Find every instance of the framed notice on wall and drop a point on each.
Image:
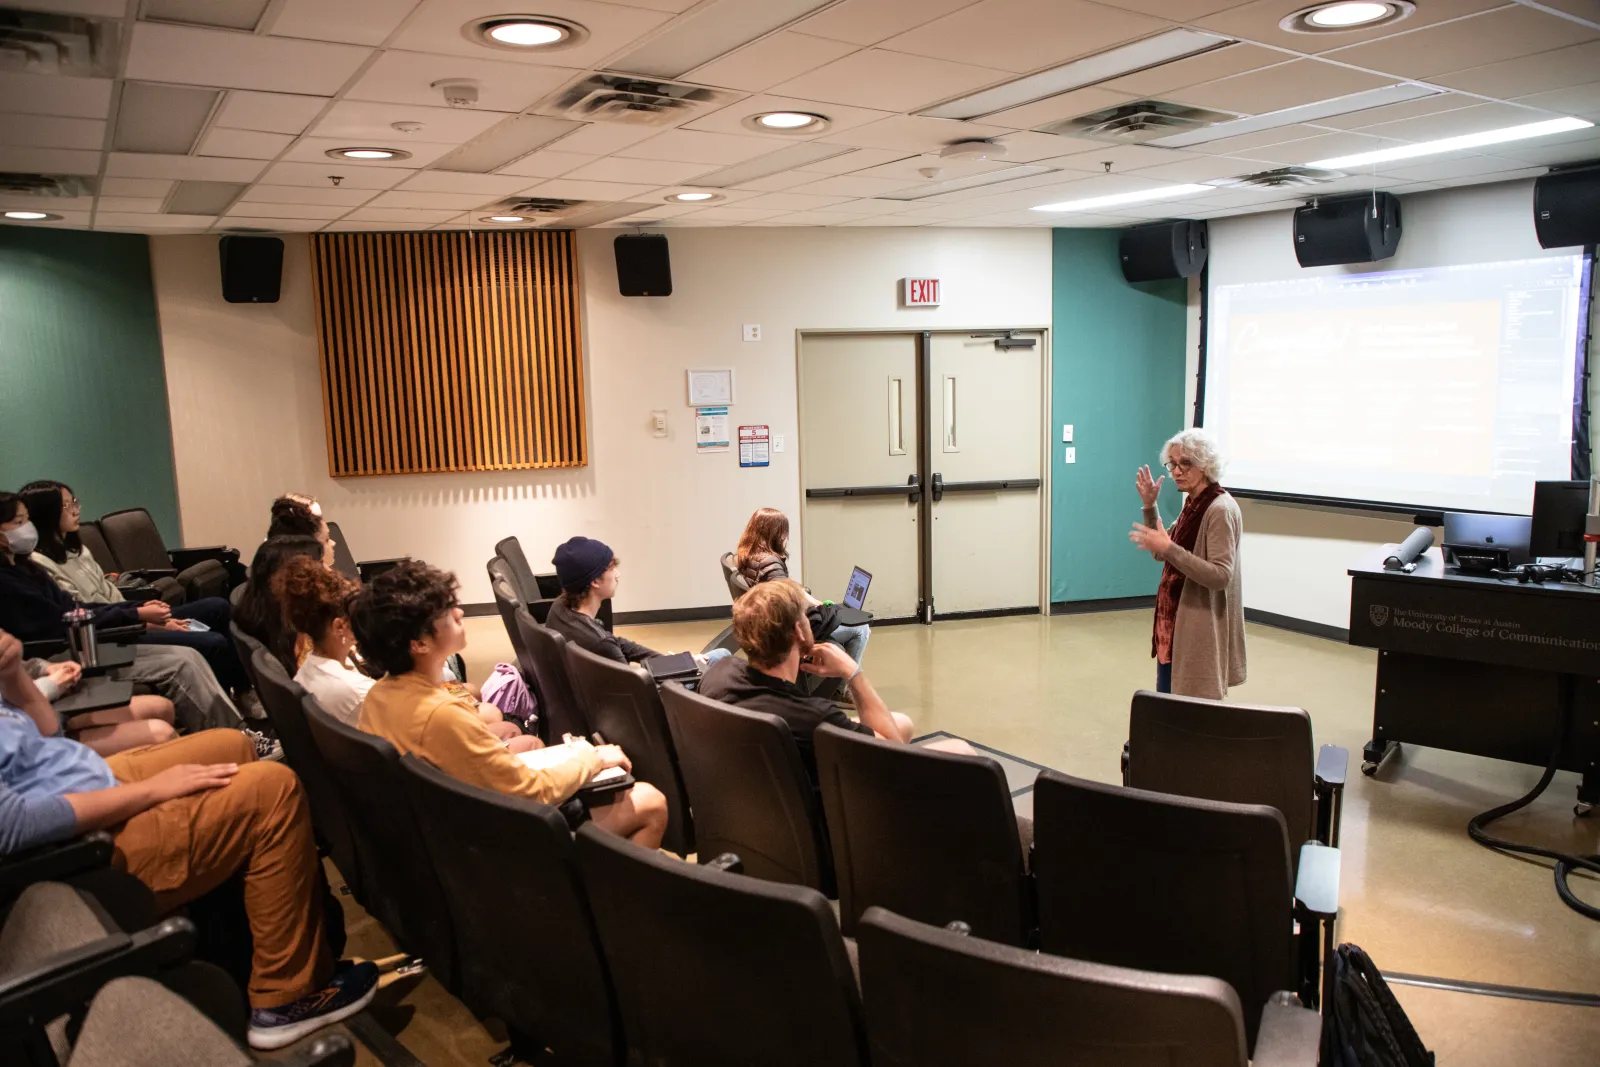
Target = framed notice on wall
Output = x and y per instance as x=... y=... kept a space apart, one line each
x=711 y=388
x=755 y=446
x=711 y=429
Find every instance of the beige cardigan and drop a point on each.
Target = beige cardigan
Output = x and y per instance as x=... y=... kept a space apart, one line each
x=1208 y=634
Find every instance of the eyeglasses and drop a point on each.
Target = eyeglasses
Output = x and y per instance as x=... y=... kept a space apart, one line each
x=1176 y=465
x=73 y=506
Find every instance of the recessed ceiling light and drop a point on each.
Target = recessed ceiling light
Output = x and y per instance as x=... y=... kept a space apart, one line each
x=1116 y=199
x=1454 y=144
x=503 y=218
x=787 y=122
x=33 y=216
x=368 y=154
x=1346 y=15
x=695 y=198
x=522 y=33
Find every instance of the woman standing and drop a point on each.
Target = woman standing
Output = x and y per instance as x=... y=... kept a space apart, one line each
x=1198 y=642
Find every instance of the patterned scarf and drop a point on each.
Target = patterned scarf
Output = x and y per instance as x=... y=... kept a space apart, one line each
x=1185 y=532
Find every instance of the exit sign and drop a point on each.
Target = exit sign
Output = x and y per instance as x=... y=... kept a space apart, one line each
x=919 y=292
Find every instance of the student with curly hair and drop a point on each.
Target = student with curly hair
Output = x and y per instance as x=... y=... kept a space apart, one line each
x=294 y=515
x=407 y=623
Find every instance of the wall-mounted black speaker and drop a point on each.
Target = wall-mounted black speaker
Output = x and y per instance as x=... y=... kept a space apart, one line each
x=643 y=267
x=1361 y=228
x=1566 y=207
x=252 y=269
x=1172 y=248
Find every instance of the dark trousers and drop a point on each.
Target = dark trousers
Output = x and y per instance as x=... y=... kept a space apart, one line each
x=1163 y=677
x=214 y=645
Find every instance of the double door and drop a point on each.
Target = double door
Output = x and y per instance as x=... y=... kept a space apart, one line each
x=920 y=463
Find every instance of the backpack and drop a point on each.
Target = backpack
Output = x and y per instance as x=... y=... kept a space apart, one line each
x=505 y=689
x=1363 y=1024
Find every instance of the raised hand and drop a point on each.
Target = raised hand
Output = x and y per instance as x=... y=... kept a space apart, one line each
x=1149 y=488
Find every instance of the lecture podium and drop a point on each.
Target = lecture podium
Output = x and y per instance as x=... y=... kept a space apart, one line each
x=1481 y=665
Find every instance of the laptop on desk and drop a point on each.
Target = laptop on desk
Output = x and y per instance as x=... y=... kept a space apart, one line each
x=678 y=667
x=851 y=606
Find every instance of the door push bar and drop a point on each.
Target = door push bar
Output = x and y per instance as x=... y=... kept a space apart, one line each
x=941 y=487
x=911 y=488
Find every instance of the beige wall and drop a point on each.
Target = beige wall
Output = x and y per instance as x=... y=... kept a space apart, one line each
x=247 y=407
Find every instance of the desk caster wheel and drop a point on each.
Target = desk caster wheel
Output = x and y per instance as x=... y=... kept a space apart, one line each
x=1369 y=769
x=1581 y=809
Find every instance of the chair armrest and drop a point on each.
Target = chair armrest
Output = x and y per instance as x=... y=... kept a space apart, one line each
x=321 y=1050
x=184 y=558
x=120 y=634
x=67 y=980
x=725 y=639
x=1290 y=1035
x=1316 y=887
x=150 y=574
x=728 y=861
x=1333 y=761
x=54 y=863
x=43 y=649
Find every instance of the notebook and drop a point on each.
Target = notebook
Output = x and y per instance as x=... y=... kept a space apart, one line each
x=542 y=759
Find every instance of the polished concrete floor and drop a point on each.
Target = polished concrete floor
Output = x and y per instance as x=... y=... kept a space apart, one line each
x=1417 y=894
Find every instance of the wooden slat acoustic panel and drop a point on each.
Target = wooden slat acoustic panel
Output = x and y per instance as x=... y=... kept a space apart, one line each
x=449 y=351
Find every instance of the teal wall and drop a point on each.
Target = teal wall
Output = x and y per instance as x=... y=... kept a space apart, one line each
x=85 y=394
x=1118 y=375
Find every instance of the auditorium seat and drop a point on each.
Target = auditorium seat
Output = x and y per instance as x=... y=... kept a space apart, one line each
x=938 y=998
x=560 y=709
x=1172 y=884
x=538 y=590
x=344 y=561
x=748 y=789
x=529 y=954
x=284 y=701
x=132 y=537
x=930 y=835
x=624 y=708
x=398 y=873
x=94 y=542
x=737 y=585
x=716 y=969
x=1239 y=753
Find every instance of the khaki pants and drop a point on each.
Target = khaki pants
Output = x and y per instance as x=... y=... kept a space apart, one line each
x=257 y=825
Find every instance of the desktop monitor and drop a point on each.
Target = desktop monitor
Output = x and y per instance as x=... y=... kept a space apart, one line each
x=1560 y=512
x=1480 y=543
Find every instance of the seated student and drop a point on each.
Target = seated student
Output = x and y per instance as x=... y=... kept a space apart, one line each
x=144 y=720
x=315 y=603
x=763 y=556
x=590 y=574
x=186 y=817
x=259 y=613
x=294 y=515
x=407 y=624
x=771 y=625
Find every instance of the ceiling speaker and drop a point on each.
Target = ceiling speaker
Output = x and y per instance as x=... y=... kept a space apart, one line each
x=252 y=269
x=643 y=266
x=1363 y=228
x=1172 y=248
x=1566 y=207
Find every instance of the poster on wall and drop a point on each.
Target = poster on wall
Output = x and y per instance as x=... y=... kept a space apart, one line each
x=755 y=446
x=711 y=429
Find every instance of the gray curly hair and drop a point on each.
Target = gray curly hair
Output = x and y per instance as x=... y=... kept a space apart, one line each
x=1200 y=448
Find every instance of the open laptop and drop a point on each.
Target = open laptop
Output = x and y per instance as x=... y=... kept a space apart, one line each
x=851 y=607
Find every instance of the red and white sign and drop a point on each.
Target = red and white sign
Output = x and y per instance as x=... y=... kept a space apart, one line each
x=919 y=292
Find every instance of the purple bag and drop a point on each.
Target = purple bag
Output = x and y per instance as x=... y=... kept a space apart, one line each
x=505 y=689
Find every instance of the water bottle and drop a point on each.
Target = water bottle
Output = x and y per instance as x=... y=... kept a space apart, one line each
x=81 y=641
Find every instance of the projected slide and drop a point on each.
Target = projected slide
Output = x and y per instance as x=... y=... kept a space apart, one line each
x=1447 y=387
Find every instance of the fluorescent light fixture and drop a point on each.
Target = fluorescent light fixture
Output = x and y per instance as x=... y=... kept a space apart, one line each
x=1455 y=144
x=523 y=33
x=1290 y=116
x=713 y=30
x=791 y=158
x=368 y=154
x=1117 y=199
x=506 y=142
x=972 y=181
x=32 y=216
x=1140 y=55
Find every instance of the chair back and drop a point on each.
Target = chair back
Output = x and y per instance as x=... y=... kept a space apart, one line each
x=532 y=957
x=133 y=539
x=1165 y=883
x=284 y=701
x=94 y=542
x=344 y=561
x=559 y=705
x=244 y=646
x=749 y=790
x=624 y=708
x=1238 y=753
x=398 y=873
x=737 y=585
x=507 y=600
x=930 y=835
x=717 y=969
x=522 y=579
x=937 y=997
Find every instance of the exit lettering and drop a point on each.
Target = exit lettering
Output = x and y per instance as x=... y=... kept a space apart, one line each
x=920 y=292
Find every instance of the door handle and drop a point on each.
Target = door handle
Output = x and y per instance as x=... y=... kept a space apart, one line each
x=911 y=488
x=993 y=486
x=938 y=487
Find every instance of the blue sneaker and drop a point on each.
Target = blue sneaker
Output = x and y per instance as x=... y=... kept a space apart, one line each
x=349 y=990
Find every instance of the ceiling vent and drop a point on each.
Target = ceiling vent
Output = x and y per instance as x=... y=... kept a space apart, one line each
x=53 y=185
x=1282 y=178
x=536 y=207
x=636 y=101
x=34 y=42
x=1142 y=120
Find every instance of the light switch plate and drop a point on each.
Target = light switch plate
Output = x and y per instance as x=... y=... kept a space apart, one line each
x=1066 y=433
x=752 y=331
x=658 y=422
x=777 y=442
x=1072 y=455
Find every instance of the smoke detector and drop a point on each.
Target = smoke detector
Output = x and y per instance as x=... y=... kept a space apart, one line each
x=458 y=92
x=636 y=101
x=1143 y=120
x=406 y=127
x=973 y=150
x=1281 y=178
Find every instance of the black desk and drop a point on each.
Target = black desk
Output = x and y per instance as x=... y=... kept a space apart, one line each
x=1480 y=665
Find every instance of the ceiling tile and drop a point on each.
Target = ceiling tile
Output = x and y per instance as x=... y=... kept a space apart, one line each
x=914 y=133
x=908 y=170
x=1326 y=146
x=889 y=81
x=231 y=60
x=298 y=194
x=777 y=182
x=884 y=221
x=1444 y=167
x=603 y=138
x=768 y=61
x=576 y=189
x=405 y=78
x=693 y=146
x=57 y=204
x=436 y=27
x=138 y=204
x=111 y=8
x=618 y=169
x=853 y=186
x=1198 y=169
x=1580 y=100
x=735 y=214
x=1406 y=109
x=52 y=161
x=547 y=164
x=1454 y=123
x=730 y=119
x=142 y=221
x=1176 y=10
x=1575 y=147
x=346 y=226
x=370 y=121
x=793 y=201
x=1061 y=106
x=316 y=175
x=1205 y=67
x=867 y=22
x=244 y=144
x=1275 y=88
x=1026 y=146
x=810 y=218
x=184 y=168
x=1122 y=157
x=455 y=201
x=350 y=21
x=269 y=112
x=48 y=131
x=1557 y=69
x=1259 y=22
x=444 y=181
x=314 y=149
x=858 y=159
x=245 y=222
x=136 y=187
x=257 y=209
x=1024 y=35
x=428 y=216
x=1491 y=37
x=40 y=94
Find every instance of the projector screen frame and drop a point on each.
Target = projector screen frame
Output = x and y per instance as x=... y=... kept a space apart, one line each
x=1580 y=465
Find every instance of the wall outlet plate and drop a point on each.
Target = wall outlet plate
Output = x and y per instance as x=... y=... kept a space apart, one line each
x=1066 y=433
x=752 y=331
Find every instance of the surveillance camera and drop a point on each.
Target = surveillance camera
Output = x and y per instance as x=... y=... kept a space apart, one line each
x=930 y=172
x=458 y=92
